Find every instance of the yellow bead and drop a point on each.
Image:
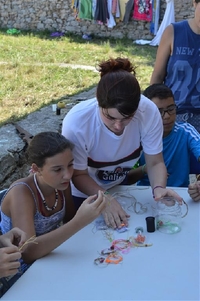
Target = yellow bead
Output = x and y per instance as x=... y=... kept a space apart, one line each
x=61 y=104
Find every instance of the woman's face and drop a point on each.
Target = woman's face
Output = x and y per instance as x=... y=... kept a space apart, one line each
x=114 y=121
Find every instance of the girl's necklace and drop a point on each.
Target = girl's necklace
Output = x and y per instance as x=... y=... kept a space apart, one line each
x=42 y=197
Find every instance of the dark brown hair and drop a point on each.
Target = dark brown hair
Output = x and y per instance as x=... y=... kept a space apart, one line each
x=158 y=90
x=45 y=145
x=118 y=87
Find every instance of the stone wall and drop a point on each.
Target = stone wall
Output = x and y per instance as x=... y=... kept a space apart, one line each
x=57 y=15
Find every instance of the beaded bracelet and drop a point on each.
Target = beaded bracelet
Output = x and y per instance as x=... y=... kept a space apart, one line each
x=155 y=188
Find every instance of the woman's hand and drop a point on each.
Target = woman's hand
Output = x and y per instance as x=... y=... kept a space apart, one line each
x=160 y=192
x=114 y=215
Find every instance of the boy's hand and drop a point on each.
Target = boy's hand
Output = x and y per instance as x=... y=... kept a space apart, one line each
x=194 y=191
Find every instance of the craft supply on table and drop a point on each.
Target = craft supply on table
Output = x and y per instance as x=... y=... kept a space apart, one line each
x=150 y=222
x=168 y=215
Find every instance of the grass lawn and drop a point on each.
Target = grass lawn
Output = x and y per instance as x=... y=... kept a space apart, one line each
x=31 y=77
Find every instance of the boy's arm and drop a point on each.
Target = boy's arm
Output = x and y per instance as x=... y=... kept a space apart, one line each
x=136 y=174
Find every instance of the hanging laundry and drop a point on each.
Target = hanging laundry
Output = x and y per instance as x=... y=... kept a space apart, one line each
x=85 y=9
x=155 y=16
x=129 y=8
x=75 y=7
x=114 y=6
x=142 y=10
x=122 y=6
x=101 y=13
x=111 y=21
x=94 y=4
x=75 y=4
x=169 y=17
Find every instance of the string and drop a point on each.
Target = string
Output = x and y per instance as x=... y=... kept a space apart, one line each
x=32 y=239
x=134 y=203
x=42 y=196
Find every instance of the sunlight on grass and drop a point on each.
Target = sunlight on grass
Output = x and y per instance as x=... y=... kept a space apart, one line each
x=29 y=83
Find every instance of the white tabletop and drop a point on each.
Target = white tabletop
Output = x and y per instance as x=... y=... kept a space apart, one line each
x=168 y=270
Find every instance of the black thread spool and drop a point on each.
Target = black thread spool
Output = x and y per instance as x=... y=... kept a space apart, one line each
x=58 y=110
x=150 y=221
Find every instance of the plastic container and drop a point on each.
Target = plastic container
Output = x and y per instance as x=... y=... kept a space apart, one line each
x=168 y=215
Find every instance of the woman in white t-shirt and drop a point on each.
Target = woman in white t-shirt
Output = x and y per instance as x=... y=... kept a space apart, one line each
x=109 y=133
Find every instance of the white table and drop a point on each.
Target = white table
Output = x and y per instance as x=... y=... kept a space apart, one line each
x=168 y=270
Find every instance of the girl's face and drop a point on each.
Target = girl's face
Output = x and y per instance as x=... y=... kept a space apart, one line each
x=114 y=121
x=58 y=170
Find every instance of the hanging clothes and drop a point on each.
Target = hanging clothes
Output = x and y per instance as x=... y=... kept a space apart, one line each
x=111 y=21
x=94 y=4
x=85 y=9
x=169 y=17
x=129 y=8
x=101 y=13
x=75 y=7
x=157 y=16
x=122 y=6
x=142 y=10
x=114 y=6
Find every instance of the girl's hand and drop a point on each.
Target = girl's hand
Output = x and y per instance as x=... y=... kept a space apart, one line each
x=91 y=208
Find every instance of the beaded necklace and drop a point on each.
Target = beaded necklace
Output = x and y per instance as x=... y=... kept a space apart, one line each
x=42 y=196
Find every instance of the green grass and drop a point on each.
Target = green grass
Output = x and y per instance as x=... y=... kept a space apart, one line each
x=31 y=78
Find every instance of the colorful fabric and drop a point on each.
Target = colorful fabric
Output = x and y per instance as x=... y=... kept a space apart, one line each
x=142 y=10
x=85 y=9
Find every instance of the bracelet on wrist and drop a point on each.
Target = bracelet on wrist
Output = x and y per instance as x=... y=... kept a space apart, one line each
x=156 y=188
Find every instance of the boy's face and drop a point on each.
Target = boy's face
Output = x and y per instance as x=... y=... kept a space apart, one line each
x=167 y=109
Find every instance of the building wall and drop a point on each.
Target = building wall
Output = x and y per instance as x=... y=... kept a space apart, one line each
x=57 y=15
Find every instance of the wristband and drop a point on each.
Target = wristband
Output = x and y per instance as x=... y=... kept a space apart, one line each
x=155 y=188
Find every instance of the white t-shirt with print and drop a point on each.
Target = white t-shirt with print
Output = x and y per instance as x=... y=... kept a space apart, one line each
x=109 y=157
